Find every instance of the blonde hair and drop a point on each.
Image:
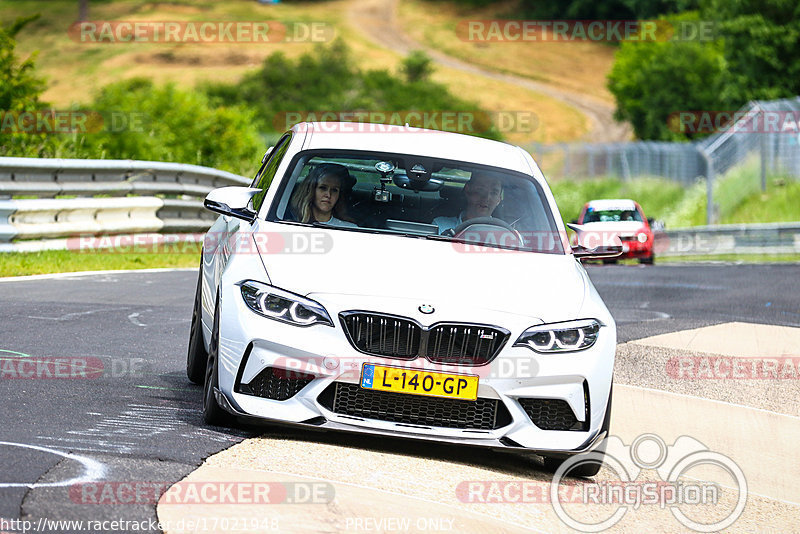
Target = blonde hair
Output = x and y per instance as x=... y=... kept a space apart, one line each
x=302 y=200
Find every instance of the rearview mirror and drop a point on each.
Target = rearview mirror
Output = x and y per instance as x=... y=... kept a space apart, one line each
x=233 y=201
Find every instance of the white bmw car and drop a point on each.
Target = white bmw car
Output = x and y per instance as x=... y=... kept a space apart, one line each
x=402 y=282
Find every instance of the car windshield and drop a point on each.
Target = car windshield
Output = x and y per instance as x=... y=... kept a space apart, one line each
x=593 y=215
x=417 y=197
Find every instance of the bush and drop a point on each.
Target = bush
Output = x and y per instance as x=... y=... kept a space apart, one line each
x=167 y=124
x=327 y=81
x=20 y=89
x=417 y=66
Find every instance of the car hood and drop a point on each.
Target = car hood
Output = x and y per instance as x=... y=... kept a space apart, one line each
x=550 y=287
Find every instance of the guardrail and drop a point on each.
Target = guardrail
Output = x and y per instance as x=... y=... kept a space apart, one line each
x=105 y=206
x=113 y=197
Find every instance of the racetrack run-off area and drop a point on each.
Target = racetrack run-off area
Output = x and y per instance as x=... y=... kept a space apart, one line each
x=137 y=419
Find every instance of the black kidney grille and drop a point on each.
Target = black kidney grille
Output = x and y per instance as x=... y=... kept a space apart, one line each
x=551 y=414
x=351 y=399
x=398 y=337
x=276 y=384
x=383 y=335
x=464 y=344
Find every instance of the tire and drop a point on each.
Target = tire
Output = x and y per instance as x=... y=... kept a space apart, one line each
x=586 y=469
x=212 y=413
x=197 y=357
x=609 y=262
x=649 y=260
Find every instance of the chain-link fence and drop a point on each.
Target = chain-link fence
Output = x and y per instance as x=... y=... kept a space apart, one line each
x=764 y=137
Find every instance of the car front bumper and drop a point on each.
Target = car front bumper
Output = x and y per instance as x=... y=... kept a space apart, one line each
x=251 y=344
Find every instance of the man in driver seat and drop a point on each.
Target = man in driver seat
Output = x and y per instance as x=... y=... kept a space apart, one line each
x=483 y=193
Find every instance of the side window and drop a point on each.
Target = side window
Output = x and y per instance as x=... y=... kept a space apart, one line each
x=268 y=170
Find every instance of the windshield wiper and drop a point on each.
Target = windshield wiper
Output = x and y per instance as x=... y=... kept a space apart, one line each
x=439 y=237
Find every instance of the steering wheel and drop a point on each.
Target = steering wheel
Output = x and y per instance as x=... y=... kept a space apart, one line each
x=489 y=221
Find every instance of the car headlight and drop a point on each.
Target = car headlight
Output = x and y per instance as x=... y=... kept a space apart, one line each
x=642 y=237
x=283 y=306
x=560 y=337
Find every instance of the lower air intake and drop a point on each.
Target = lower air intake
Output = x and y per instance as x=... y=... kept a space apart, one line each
x=551 y=414
x=276 y=384
x=352 y=400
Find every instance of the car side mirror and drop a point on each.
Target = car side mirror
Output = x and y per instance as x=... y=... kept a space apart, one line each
x=597 y=252
x=266 y=154
x=595 y=244
x=233 y=201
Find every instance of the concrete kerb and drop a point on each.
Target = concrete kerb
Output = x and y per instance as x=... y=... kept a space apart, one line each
x=734 y=430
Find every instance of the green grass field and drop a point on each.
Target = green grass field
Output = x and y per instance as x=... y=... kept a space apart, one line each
x=61 y=59
x=62 y=261
x=733 y=258
x=738 y=196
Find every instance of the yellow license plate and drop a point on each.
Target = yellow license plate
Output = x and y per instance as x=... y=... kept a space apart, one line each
x=417 y=382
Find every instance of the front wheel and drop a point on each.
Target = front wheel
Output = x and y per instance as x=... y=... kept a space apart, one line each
x=212 y=413
x=650 y=260
x=593 y=463
x=584 y=468
x=197 y=357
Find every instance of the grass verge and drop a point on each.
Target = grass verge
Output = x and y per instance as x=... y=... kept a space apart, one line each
x=62 y=261
x=736 y=258
x=657 y=197
x=737 y=195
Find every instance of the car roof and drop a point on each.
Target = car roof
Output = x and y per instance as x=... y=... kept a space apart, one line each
x=612 y=204
x=408 y=140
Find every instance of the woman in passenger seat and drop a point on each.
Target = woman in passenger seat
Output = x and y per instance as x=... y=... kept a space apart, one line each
x=316 y=199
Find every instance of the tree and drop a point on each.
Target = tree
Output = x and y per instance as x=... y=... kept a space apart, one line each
x=652 y=80
x=83 y=10
x=20 y=88
x=607 y=10
x=762 y=44
x=143 y=121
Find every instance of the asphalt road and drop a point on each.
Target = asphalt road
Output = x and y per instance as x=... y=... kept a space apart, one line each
x=136 y=417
